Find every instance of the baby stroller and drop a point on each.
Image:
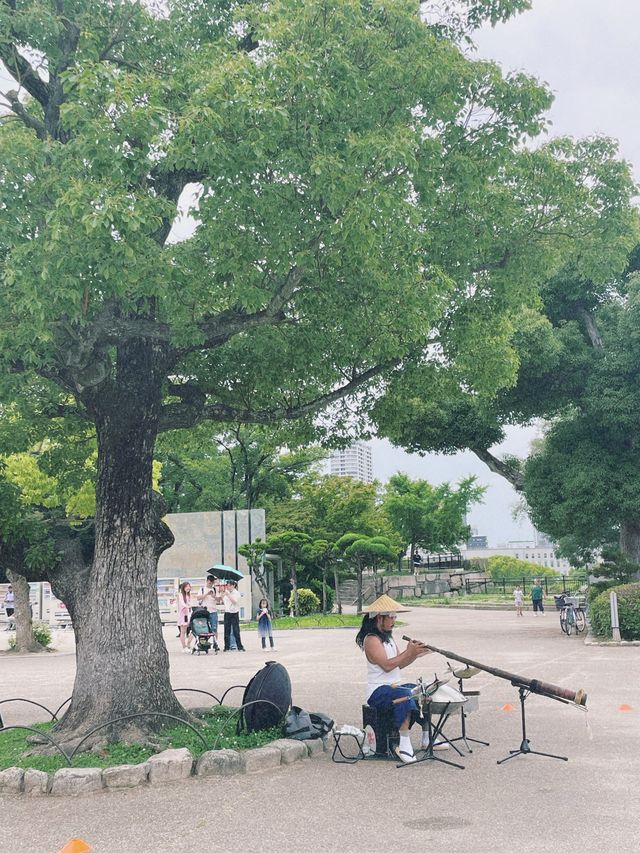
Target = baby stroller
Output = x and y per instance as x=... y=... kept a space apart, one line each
x=199 y=627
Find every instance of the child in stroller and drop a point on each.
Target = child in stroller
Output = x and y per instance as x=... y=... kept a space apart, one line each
x=202 y=636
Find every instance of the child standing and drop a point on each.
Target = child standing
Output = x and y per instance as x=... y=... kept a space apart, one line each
x=518 y=599
x=184 y=611
x=264 y=623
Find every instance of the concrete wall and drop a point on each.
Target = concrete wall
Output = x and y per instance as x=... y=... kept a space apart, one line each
x=206 y=538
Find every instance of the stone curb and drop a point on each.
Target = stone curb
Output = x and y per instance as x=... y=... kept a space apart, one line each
x=169 y=766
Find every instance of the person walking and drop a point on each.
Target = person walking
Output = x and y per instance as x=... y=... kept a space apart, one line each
x=518 y=600
x=9 y=608
x=231 y=601
x=264 y=618
x=537 y=594
x=184 y=612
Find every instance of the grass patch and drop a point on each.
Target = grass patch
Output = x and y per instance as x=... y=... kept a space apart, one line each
x=315 y=620
x=218 y=729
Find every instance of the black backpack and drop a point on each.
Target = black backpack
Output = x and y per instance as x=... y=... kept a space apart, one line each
x=272 y=684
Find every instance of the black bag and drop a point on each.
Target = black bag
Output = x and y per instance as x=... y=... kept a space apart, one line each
x=322 y=723
x=272 y=684
x=305 y=725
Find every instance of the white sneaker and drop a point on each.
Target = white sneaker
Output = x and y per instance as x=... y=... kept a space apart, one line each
x=439 y=746
x=405 y=757
x=186 y=651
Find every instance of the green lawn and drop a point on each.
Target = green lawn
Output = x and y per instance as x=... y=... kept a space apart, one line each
x=218 y=729
x=315 y=620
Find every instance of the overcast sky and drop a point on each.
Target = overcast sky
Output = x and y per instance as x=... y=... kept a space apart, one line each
x=587 y=53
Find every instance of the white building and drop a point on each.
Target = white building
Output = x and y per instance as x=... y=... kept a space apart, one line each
x=354 y=461
x=540 y=554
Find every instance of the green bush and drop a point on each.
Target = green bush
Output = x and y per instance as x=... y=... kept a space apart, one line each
x=41 y=634
x=308 y=602
x=316 y=586
x=628 y=612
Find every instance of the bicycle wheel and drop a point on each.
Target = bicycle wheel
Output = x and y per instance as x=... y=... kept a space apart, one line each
x=581 y=622
x=563 y=620
x=571 y=621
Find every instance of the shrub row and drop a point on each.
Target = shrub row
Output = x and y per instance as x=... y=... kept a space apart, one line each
x=628 y=612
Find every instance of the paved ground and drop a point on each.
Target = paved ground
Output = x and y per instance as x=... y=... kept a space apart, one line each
x=532 y=804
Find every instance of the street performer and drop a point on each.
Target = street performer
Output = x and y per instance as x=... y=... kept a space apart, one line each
x=384 y=663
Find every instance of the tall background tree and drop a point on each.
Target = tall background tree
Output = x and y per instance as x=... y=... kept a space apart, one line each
x=429 y=517
x=364 y=207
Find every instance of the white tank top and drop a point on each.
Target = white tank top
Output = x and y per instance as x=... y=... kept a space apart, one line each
x=376 y=676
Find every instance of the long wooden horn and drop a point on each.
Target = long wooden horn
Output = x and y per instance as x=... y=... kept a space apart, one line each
x=543 y=688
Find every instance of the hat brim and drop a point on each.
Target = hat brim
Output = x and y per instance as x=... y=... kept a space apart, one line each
x=384 y=604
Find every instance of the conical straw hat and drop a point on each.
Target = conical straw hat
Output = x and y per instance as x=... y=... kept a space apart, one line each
x=384 y=604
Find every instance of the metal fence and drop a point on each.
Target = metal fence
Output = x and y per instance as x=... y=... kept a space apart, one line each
x=551 y=584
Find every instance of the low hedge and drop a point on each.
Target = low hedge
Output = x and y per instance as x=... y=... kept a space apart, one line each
x=628 y=612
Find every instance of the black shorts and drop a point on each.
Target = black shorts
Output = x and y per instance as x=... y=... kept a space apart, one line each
x=9 y=611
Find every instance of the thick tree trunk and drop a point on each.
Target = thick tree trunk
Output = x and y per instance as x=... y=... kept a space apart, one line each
x=25 y=641
x=630 y=541
x=122 y=660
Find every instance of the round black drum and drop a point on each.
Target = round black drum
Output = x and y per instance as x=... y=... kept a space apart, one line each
x=271 y=683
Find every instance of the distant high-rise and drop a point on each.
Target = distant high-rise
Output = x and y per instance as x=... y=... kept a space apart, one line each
x=354 y=461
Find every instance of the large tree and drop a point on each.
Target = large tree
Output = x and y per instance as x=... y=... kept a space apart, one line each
x=427 y=516
x=362 y=203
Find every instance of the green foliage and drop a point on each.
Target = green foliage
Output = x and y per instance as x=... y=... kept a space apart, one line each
x=326 y=507
x=308 y=601
x=316 y=587
x=628 y=612
x=240 y=468
x=41 y=634
x=217 y=727
x=499 y=567
x=429 y=517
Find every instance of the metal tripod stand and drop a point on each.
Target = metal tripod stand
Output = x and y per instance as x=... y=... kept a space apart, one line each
x=435 y=731
x=525 y=749
x=463 y=726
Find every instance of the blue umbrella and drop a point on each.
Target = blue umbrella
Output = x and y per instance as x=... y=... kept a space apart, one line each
x=225 y=573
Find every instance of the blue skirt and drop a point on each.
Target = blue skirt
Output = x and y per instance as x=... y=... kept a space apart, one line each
x=383 y=696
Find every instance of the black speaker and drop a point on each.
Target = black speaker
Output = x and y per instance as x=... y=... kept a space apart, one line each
x=271 y=683
x=385 y=730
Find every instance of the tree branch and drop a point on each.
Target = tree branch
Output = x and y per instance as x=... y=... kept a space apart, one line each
x=590 y=326
x=182 y=416
x=498 y=466
x=18 y=108
x=227 y=324
x=24 y=73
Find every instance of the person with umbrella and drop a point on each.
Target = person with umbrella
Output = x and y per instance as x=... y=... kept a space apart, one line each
x=231 y=601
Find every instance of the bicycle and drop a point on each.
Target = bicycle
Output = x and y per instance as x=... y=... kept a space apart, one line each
x=572 y=617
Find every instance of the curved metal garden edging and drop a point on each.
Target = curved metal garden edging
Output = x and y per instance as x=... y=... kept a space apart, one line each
x=67 y=758
x=132 y=717
x=237 y=711
x=60 y=707
x=229 y=689
x=195 y=690
x=31 y=702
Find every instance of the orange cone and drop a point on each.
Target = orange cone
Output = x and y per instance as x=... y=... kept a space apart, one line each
x=76 y=845
x=507 y=707
x=625 y=708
